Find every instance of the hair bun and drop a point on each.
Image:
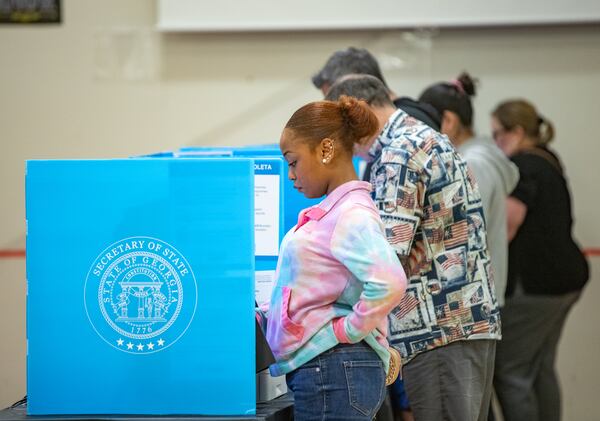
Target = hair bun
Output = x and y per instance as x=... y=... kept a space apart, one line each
x=545 y=129
x=467 y=83
x=349 y=108
x=357 y=117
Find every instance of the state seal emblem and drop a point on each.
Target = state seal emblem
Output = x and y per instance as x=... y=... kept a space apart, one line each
x=140 y=295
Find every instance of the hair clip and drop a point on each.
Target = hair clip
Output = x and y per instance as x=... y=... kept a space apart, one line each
x=459 y=86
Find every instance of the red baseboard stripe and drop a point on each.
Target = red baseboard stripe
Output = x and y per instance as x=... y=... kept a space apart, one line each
x=11 y=254
x=592 y=251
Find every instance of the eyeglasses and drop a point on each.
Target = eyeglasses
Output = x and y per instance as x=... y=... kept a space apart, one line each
x=498 y=132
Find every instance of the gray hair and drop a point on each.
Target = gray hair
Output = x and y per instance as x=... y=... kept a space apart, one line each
x=365 y=87
x=344 y=62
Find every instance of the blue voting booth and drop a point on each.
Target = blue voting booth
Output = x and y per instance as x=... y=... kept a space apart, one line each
x=140 y=280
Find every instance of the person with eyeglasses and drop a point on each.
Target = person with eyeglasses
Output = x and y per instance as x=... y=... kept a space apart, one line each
x=547 y=270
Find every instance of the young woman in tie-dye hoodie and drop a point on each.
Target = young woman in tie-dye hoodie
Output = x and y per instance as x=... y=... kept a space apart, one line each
x=337 y=276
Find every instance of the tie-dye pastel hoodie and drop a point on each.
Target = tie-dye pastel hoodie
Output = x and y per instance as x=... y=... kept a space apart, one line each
x=337 y=279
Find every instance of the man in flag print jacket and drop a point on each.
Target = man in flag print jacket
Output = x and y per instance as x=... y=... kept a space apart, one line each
x=448 y=322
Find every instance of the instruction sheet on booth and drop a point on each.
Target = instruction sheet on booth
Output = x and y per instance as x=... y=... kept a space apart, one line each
x=266 y=214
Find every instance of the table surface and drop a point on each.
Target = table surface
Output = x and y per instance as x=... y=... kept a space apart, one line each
x=280 y=409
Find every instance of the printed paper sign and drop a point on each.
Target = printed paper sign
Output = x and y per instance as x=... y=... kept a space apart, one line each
x=264 y=282
x=266 y=214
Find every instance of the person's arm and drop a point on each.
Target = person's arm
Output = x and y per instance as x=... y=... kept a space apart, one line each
x=485 y=182
x=523 y=198
x=398 y=204
x=358 y=242
x=262 y=313
x=515 y=214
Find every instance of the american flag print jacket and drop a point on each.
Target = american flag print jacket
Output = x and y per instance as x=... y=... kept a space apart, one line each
x=432 y=213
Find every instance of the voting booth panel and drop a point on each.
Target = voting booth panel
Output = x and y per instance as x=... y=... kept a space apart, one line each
x=140 y=278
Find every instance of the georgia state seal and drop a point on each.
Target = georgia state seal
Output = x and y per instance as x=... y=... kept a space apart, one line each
x=140 y=295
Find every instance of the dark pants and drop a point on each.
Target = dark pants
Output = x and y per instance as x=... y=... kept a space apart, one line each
x=525 y=379
x=453 y=382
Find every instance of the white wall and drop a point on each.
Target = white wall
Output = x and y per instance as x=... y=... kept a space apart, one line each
x=104 y=84
x=233 y=15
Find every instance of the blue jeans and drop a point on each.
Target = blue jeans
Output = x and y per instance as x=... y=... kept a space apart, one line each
x=344 y=383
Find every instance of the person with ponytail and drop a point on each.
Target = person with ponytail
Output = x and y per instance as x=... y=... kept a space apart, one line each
x=337 y=277
x=495 y=174
x=546 y=270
